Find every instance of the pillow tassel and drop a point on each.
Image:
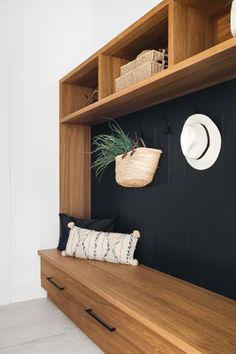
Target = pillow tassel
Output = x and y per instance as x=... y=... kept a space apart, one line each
x=71 y=225
x=136 y=234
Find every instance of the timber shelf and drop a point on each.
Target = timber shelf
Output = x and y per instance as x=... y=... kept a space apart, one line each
x=201 y=53
x=205 y=69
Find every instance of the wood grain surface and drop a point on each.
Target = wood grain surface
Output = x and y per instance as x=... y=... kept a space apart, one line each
x=190 y=318
x=212 y=66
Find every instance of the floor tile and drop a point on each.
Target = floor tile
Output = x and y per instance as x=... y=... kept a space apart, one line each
x=37 y=327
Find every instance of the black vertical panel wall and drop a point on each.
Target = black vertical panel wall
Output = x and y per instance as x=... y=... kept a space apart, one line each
x=187 y=217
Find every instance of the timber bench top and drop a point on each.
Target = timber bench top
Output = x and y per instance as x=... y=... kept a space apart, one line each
x=188 y=316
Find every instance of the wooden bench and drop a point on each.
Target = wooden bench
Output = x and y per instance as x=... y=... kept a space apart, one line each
x=126 y=309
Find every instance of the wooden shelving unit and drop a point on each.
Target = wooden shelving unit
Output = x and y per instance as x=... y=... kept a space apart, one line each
x=201 y=53
x=205 y=69
x=199 y=42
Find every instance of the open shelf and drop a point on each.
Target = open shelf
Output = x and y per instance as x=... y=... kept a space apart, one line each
x=75 y=86
x=196 y=26
x=214 y=65
x=101 y=70
x=196 y=35
x=150 y=32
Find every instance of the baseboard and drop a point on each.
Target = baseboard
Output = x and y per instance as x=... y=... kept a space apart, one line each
x=26 y=289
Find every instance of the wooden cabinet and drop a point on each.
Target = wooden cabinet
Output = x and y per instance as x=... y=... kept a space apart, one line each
x=128 y=309
x=201 y=53
x=151 y=312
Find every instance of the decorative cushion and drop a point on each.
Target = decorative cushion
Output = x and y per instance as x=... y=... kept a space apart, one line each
x=103 y=246
x=106 y=225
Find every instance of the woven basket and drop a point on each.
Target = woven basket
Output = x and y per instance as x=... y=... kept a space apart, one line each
x=137 y=75
x=144 y=58
x=137 y=168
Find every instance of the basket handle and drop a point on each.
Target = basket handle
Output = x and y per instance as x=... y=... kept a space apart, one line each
x=135 y=145
x=142 y=142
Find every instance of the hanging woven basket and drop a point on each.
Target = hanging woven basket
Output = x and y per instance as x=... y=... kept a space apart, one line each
x=137 y=168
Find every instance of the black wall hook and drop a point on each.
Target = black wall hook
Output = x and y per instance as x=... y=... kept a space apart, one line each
x=141 y=132
x=168 y=127
x=197 y=109
x=200 y=111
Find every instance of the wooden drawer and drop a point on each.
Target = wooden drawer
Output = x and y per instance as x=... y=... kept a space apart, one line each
x=109 y=342
x=112 y=324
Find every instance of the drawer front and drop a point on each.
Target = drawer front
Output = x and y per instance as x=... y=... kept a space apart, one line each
x=105 y=315
x=109 y=342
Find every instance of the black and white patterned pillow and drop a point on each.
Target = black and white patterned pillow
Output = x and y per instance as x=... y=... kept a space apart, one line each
x=107 y=225
x=102 y=246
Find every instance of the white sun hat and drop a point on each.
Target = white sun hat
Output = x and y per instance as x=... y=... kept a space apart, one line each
x=200 y=141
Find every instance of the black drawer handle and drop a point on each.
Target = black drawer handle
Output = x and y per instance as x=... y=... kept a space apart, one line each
x=91 y=313
x=56 y=285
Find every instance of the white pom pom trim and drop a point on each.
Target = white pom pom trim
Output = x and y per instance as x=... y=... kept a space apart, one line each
x=134 y=262
x=63 y=253
x=71 y=225
x=136 y=234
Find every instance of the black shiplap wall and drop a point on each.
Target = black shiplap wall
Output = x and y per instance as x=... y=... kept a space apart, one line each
x=187 y=218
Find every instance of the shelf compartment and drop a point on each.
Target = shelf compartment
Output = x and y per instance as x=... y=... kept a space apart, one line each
x=109 y=70
x=195 y=26
x=214 y=65
x=86 y=74
x=74 y=87
x=149 y=32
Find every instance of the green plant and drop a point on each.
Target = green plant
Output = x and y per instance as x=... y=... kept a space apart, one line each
x=107 y=147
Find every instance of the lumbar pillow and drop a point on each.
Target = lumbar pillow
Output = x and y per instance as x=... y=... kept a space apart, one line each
x=103 y=246
x=106 y=225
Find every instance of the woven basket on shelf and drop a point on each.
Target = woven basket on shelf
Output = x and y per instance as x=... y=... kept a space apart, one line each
x=138 y=74
x=145 y=57
x=137 y=168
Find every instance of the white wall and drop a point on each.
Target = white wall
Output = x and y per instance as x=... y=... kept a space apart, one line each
x=4 y=161
x=46 y=39
x=112 y=17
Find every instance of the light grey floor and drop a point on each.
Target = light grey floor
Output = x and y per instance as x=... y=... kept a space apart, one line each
x=39 y=327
